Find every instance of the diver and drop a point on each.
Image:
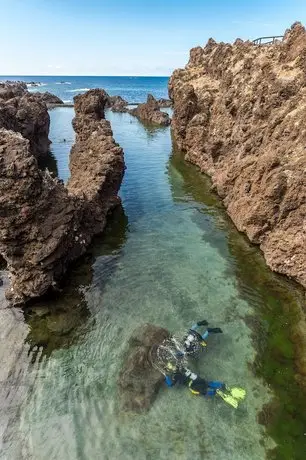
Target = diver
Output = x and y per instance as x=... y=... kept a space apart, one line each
x=194 y=341
x=200 y=386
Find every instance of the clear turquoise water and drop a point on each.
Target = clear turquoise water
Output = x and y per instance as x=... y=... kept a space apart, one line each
x=170 y=258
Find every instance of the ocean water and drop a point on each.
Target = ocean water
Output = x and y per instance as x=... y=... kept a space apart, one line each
x=133 y=89
x=170 y=257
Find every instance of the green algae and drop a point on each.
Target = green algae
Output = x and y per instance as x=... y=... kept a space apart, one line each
x=283 y=300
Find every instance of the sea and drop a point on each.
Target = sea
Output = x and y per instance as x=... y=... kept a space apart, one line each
x=133 y=89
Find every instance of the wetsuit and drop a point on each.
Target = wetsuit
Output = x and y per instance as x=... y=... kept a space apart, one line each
x=194 y=340
x=196 y=384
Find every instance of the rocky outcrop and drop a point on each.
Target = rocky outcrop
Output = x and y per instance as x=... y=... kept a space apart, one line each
x=164 y=103
x=43 y=224
x=48 y=98
x=8 y=90
x=27 y=114
x=139 y=381
x=96 y=161
x=117 y=104
x=149 y=112
x=239 y=114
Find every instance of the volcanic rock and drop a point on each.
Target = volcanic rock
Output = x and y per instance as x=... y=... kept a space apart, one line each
x=43 y=224
x=117 y=104
x=25 y=113
x=164 y=103
x=149 y=112
x=48 y=98
x=139 y=381
x=239 y=114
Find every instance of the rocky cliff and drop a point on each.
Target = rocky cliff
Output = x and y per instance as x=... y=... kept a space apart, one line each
x=239 y=114
x=43 y=224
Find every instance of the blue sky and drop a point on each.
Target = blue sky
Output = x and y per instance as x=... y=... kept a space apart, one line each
x=127 y=37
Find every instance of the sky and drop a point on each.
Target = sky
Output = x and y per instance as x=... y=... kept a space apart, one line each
x=128 y=37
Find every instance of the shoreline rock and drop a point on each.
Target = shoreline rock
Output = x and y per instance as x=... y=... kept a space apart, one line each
x=27 y=114
x=45 y=225
x=149 y=112
x=238 y=115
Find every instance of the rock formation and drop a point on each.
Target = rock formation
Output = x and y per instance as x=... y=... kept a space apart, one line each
x=164 y=103
x=117 y=104
x=27 y=114
x=43 y=224
x=96 y=161
x=239 y=114
x=48 y=98
x=149 y=112
x=139 y=381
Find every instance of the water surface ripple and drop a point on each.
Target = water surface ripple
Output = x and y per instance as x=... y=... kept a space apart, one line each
x=171 y=257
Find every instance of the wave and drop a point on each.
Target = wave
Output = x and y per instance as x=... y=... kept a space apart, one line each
x=63 y=82
x=78 y=90
x=35 y=85
x=67 y=101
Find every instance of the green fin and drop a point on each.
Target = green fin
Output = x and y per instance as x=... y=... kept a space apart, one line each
x=238 y=393
x=228 y=399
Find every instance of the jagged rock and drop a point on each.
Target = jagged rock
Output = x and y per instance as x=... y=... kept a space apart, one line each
x=8 y=89
x=149 y=112
x=164 y=103
x=117 y=104
x=48 y=98
x=96 y=160
x=25 y=113
x=239 y=113
x=139 y=381
x=43 y=224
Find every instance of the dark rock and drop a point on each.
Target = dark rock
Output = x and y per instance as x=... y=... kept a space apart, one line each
x=149 y=112
x=48 y=98
x=117 y=104
x=43 y=224
x=164 y=103
x=238 y=114
x=27 y=114
x=139 y=382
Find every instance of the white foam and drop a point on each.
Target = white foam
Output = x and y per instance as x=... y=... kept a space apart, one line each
x=36 y=85
x=78 y=90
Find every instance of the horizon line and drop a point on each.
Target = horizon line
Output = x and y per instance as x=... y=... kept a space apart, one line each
x=98 y=76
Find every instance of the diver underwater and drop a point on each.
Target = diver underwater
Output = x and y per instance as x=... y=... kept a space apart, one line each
x=172 y=359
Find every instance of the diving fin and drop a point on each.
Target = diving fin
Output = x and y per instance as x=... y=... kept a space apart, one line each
x=238 y=393
x=229 y=399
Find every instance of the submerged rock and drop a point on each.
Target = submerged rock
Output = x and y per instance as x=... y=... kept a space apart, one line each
x=139 y=381
x=239 y=113
x=149 y=112
x=45 y=225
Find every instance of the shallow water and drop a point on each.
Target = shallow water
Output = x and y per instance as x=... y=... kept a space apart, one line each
x=170 y=258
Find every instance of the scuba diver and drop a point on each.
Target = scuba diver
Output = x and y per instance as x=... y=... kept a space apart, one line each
x=200 y=386
x=194 y=341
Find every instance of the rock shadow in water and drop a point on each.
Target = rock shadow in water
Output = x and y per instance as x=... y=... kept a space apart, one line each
x=60 y=320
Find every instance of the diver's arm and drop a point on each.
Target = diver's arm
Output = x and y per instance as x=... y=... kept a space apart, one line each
x=195 y=326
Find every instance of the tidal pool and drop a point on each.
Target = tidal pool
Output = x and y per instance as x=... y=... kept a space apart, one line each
x=170 y=257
